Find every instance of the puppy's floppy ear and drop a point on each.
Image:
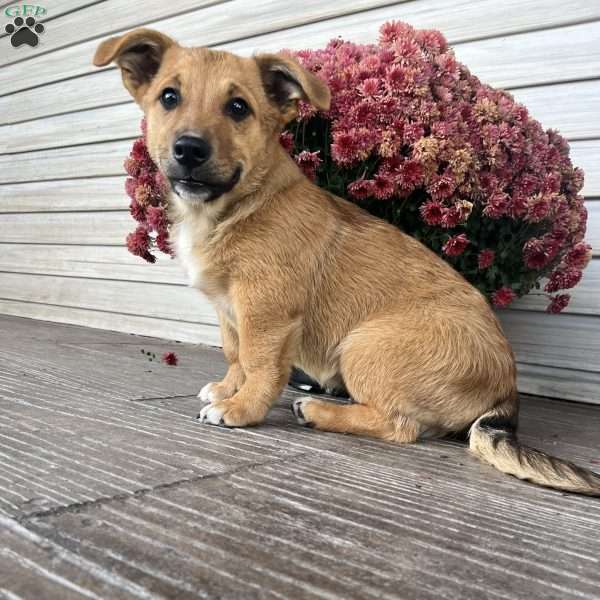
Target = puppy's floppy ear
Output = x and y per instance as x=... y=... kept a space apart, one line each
x=286 y=82
x=138 y=54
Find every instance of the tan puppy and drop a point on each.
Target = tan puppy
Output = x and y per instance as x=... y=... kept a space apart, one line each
x=300 y=277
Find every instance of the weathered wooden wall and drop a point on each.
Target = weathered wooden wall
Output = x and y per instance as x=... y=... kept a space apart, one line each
x=66 y=127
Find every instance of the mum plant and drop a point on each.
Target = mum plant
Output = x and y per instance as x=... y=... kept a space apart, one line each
x=416 y=139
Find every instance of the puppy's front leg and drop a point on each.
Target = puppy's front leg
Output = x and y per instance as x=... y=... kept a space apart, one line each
x=233 y=380
x=265 y=349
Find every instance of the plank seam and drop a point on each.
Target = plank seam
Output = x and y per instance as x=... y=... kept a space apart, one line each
x=67 y=112
x=123 y=139
x=572 y=23
x=192 y=395
x=3 y=272
x=78 y=506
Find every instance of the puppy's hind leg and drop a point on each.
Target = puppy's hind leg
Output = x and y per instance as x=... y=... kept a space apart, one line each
x=359 y=419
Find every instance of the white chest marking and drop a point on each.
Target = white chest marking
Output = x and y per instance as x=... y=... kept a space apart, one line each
x=191 y=260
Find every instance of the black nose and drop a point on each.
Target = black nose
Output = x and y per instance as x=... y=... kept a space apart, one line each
x=191 y=151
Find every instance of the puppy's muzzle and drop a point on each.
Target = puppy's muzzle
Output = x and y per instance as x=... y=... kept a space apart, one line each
x=191 y=174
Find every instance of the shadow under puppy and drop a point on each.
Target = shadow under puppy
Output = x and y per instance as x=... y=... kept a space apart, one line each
x=302 y=278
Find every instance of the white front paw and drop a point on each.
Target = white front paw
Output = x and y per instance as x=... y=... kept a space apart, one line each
x=212 y=415
x=206 y=395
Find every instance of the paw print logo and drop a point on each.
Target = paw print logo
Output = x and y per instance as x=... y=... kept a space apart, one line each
x=24 y=32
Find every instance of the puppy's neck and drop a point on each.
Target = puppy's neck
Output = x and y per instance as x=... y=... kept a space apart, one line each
x=281 y=173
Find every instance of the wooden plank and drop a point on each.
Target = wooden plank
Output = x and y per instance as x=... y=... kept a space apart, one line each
x=586 y=154
x=104 y=193
x=568 y=384
x=100 y=19
x=97 y=262
x=195 y=333
x=556 y=341
x=99 y=88
x=87 y=228
x=542 y=57
x=63 y=163
x=84 y=127
x=33 y=567
x=159 y=301
x=572 y=108
x=208 y=26
x=585 y=298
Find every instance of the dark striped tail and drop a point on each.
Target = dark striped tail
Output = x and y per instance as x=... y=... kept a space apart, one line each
x=493 y=439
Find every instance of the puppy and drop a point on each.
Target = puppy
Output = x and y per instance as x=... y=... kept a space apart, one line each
x=302 y=278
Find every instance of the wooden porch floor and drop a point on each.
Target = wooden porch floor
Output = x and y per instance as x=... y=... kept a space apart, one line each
x=110 y=489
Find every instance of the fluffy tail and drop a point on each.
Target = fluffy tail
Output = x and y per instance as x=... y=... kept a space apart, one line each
x=493 y=439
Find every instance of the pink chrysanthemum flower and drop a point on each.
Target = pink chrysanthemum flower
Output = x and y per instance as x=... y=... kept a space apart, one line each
x=383 y=187
x=456 y=245
x=147 y=188
x=139 y=152
x=130 y=186
x=138 y=243
x=579 y=255
x=502 y=297
x=132 y=167
x=137 y=211
x=286 y=139
x=535 y=254
x=309 y=163
x=558 y=303
x=563 y=279
x=156 y=218
x=451 y=217
x=410 y=175
x=432 y=212
x=538 y=208
x=361 y=189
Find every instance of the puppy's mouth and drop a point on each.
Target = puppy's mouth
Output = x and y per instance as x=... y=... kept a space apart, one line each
x=204 y=190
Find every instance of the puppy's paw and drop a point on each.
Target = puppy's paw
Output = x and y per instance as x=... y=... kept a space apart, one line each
x=299 y=409
x=211 y=415
x=215 y=392
x=233 y=412
x=206 y=393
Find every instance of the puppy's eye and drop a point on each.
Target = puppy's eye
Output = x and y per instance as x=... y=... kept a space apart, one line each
x=237 y=109
x=169 y=98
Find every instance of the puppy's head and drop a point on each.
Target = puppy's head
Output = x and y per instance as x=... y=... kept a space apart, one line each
x=213 y=118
